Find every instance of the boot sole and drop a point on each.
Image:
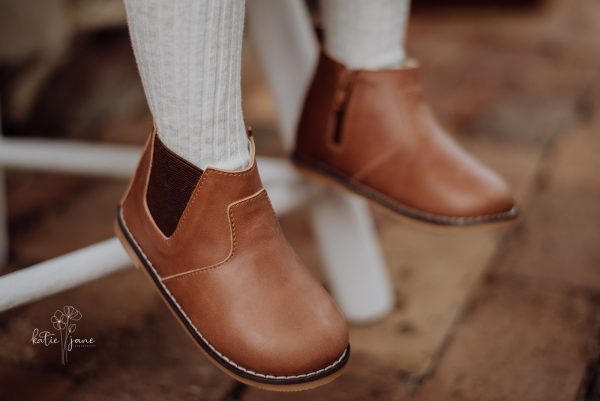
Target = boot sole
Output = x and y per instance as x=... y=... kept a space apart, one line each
x=330 y=177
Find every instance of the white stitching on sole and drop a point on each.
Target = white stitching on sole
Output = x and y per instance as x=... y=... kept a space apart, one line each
x=226 y=359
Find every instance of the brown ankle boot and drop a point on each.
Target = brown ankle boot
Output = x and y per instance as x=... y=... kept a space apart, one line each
x=212 y=246
x=373 y=133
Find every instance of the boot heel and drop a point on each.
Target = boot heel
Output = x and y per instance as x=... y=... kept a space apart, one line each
x=135 y=260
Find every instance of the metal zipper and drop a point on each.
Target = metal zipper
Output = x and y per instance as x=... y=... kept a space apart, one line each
x=342 y=99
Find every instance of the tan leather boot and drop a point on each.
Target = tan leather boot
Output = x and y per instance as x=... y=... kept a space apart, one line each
x=373 y=133
x=212 y=246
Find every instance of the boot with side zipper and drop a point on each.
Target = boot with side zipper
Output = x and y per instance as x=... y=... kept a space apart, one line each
x=373 y=133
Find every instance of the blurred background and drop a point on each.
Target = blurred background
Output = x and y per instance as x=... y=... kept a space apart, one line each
x=481 y=315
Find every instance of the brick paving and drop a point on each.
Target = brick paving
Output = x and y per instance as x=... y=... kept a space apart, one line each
x=482 y=315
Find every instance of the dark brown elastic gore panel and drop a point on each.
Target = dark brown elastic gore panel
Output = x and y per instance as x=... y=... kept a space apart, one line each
x=172 y=181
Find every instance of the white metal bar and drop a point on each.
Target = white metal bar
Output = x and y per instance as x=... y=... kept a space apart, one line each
x=285 y=42
x=3 y=214
x=3 y=222
x=277 y=170
x=69 y=156
x=61 y=273
x=286 y=199
x=287 y=47
x=346 y=238
x=119 y=161
x=103 y=159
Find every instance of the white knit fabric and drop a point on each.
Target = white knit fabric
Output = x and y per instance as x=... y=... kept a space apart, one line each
x=189 y=57
x=365 y=34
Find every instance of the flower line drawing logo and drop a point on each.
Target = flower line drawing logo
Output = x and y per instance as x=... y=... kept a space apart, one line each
x=64 y=322
x=61 y=320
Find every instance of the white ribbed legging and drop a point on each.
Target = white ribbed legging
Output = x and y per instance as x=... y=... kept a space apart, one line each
x=189 y=57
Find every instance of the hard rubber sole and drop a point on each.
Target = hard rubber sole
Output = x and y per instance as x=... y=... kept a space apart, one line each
x=279 y=385
x=331 y=178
